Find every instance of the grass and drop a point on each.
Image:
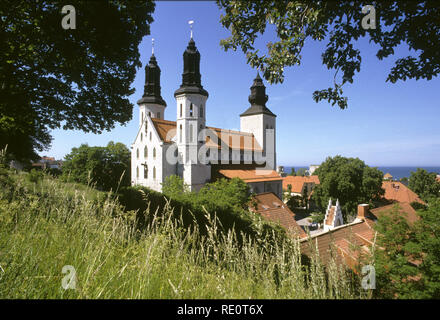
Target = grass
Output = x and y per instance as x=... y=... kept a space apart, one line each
x=48 y=224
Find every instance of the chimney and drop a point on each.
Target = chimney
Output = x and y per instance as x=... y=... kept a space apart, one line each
x=362 y=211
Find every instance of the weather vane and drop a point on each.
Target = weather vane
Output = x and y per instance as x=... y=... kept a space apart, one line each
x=152 y=46
x=190 y=22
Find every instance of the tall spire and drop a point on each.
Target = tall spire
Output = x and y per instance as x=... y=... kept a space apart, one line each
x=152 y=81
x=191 y=77
x=257 y=98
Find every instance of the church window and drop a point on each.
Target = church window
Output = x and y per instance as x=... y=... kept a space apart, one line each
x=149 y=113
x=145 y=152
x=191 y=110
x=181 y=110
x=191 y=133
x=150 y=135
x=146 y=129
x=180 y=133
x=137 y=172
x=201 y=111
x=142 y=117
x=137 y=153
x=154 y=172
x=146 y=172
x=142 y=136
x=154 y=153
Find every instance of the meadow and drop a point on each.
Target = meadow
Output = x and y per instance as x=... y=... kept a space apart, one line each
x=47 y=224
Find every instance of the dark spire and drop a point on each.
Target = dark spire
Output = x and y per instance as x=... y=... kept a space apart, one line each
x=152 y=83
x=258 y=99
x=191 y=78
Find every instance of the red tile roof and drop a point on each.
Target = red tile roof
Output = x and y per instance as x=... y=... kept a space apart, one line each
x=297 y=182
x=251 y=175
x=397 y=191
x=387 y=176
x=234 y=139
x=349 y=242
x=272 y=208
x=403 y=207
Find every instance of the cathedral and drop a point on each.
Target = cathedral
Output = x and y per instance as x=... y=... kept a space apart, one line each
x=194 y=151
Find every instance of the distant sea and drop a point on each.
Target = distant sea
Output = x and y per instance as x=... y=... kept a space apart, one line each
x=396 y=172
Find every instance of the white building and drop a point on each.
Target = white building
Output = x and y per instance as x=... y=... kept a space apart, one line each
x=191 y=149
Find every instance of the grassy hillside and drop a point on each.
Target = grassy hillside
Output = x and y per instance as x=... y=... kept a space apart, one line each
x=47 y=224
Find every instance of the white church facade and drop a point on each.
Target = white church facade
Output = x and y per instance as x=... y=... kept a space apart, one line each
x=194 y=151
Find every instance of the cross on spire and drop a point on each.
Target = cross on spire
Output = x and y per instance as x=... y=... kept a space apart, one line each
x=190 y=22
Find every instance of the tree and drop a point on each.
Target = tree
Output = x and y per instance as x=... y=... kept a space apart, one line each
x=292 y=172
x=348 y=179
x=108 y=167
x=233 y=192
x=424 y=184
x=174 y=186
x=407 y=259
x=340 y=24
x=301 y=172
x=75 y=78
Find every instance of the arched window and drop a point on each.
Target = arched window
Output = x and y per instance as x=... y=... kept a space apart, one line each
x=137 y=153
x=142 y=117
x=146 y=127
x=150 y=135
x=142 y=136
x=154 y=173
x=191 y=133
x=181 y=110
x=201 y=111
x=137 y=172
x=145 y=172
x=180 y=133
x=145 y=152
x=154 y=153
x=191 y=110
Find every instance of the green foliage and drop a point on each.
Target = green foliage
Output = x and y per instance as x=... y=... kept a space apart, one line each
x=174 y=186
x=417 y=205
x=35 y=175
x=301 y=172
x=225 y=200
x=317 y=217
x=339 y=24
x=292 y=172
x=107 y=167
x=234 y=192
x=424 y=184
x=78 y=79
x=409 y=264
x=348 y=179
x=53 y=224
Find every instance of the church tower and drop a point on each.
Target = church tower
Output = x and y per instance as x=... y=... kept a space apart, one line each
x=151 y=104
x=260 y=121
x=191 y=114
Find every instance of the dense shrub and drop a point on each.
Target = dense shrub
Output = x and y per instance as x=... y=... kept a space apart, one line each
x=227 y=200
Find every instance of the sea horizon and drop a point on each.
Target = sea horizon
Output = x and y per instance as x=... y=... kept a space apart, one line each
x=398 y=172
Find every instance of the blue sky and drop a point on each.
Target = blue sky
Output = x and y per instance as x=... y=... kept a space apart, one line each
x=385 y=124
